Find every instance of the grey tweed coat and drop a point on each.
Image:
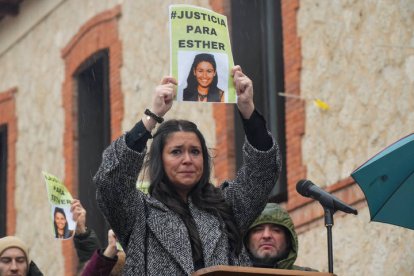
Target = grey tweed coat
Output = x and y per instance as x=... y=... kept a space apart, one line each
x=155 y=238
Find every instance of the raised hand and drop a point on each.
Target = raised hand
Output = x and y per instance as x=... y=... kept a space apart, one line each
x=111 y=250
x=79 y=215
x=162 y=100
x=164 y=96
x=244 y=90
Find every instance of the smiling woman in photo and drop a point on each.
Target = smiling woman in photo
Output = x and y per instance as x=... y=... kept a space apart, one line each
x=202 y=81
x=61 y=224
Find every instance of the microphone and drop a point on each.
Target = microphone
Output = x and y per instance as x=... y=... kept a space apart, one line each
x=308 y=189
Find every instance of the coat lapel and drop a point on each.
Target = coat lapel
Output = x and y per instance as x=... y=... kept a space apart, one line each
x=172 y=234
x=209 y=231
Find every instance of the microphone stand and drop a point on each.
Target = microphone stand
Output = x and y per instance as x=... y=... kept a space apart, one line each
x=329 y=223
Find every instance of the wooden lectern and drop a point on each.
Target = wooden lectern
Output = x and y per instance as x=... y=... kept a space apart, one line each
x=226 y=270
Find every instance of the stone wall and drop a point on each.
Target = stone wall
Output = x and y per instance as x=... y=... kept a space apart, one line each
x=358 y=56
x=360 y=247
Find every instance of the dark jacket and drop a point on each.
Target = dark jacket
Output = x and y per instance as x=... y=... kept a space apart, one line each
x=85 y=244
x=34 y=270
x=154 y=238
x=274 y=214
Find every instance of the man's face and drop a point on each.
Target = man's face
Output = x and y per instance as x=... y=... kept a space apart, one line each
x=268 y=242
x=13 y=261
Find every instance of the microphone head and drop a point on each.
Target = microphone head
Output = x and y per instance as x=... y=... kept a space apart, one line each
x=302 y=187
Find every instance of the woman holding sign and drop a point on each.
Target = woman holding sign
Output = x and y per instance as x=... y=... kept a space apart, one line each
x=185 y=223
x=202 y=81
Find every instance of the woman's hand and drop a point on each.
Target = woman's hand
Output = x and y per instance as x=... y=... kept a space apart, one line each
x=244 y=90
x=162 y=100
x=79 y=215
x=111 y=250
x=164 y=96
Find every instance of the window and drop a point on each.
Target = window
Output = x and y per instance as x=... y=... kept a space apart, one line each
x=257 y=47
x=93 y=133
x=3 y=179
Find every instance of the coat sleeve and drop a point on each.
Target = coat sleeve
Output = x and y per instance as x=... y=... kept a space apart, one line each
x=99 y=264
x=85 y=244
x=121 y=202
x=248 y=193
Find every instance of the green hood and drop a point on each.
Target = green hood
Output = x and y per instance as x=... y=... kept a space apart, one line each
x=275 y=214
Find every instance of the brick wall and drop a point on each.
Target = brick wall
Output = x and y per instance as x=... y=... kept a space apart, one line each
x=225 y=159
x=294 y=108
x=100 y=32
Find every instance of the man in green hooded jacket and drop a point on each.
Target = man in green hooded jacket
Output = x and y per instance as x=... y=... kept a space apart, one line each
x=272 y=241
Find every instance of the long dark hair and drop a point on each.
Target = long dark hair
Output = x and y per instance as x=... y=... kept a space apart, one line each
x=191 y=91
x=66 y=230
x=204 y=195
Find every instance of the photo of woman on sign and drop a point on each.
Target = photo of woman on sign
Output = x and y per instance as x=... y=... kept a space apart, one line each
x=202 y=81
x=61 y=224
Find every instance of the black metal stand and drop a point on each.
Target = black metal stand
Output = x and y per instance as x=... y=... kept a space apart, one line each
x=329 y=223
